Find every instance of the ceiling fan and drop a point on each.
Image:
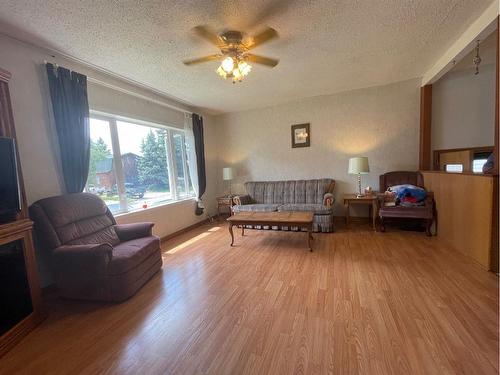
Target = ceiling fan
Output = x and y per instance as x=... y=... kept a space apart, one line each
x=234 y=51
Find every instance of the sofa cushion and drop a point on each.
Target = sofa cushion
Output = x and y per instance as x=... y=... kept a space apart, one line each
x=283 y=192
x=317 y=209
x=256 y=208
x=130 y=254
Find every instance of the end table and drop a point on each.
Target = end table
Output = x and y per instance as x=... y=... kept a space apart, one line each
x=369 y=200
x=225 y=203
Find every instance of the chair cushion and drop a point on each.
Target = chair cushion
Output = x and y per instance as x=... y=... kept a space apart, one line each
x=130 y=254
x=73 y=219
x=423 y=212
x=317 y=209
x=256 y=208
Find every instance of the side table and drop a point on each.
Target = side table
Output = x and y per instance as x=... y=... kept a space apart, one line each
x=370 y=200
x=225 y=204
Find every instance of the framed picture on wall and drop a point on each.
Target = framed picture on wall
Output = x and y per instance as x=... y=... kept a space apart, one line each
x=301 y=135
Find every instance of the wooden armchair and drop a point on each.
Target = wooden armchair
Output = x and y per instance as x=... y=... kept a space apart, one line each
x=425 y=212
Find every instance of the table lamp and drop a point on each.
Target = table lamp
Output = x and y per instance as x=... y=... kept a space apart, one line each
x=228 y=175
x=359 y=166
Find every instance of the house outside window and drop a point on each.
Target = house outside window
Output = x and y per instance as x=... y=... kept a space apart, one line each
x=136 y=165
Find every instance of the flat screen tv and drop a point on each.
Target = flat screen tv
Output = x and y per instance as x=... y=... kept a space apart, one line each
x=10 y=195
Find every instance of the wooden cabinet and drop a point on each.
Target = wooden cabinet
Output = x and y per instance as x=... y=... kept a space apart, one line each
x=22 y=308
x=466 y=213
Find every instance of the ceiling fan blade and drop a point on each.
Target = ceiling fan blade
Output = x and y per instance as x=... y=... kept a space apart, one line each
x=209 y=35
x=202 y=59
x=261 y=60
x=263 y=37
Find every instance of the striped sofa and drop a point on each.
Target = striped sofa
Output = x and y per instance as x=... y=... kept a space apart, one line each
x=299 y=195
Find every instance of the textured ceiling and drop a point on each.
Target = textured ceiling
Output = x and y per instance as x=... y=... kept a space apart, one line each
x=325 y=46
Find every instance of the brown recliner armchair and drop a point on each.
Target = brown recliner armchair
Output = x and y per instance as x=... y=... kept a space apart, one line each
x=425 y=212
x=93 y=258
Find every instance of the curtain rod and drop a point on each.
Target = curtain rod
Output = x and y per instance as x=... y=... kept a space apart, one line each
x=129 y=92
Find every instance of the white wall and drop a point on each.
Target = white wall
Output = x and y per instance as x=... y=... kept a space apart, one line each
x=463 y=109
x=463 y=104
x=380 y=122
x=32 y=116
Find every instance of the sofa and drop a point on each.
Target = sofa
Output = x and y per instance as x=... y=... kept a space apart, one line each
x=297 y=195
x=92 y=257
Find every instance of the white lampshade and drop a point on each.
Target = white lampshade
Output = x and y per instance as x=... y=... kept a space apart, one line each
x=227 y=173
x=358 y=165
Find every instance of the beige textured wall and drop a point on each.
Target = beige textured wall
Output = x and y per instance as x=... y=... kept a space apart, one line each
x=32 y=116
x=380 y=122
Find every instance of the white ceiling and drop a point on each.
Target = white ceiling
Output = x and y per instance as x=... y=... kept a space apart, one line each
x=325 y=46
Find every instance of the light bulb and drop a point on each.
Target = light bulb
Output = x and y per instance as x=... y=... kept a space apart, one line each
x=244 y=68
x=228 y=64
x=222 y=72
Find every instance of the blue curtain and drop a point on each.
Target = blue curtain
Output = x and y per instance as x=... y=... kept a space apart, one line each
x=199 y=145
x=68 y=91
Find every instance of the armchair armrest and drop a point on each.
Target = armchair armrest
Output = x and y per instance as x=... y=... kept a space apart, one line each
x=429 y=199
x=328 y=200
x=77 y=265
x=127 y=232
x=242 y=199
x=380 y=199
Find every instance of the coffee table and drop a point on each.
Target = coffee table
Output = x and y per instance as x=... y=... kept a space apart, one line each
x=279 y=219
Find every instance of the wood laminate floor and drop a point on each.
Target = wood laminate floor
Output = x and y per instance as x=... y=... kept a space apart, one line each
x=361 y=303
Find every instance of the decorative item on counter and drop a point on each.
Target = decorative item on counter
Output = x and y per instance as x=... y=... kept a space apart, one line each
x=368 y=190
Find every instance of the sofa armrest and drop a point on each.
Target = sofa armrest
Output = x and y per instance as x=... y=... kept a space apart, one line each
x=328 y=200
x=242 y=199
x=81 y=264
x=127 y=232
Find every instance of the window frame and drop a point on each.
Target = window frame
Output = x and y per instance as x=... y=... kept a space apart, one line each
x=468 y=167
x=118 y=162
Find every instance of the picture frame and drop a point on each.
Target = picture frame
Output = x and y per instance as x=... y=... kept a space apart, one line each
x=301 y=135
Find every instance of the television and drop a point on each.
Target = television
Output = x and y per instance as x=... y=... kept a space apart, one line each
x=10 y=195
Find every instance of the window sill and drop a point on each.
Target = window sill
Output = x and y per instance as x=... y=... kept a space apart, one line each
x=173 y=203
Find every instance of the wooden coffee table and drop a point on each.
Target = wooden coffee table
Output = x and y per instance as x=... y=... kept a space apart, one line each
x=279 y=219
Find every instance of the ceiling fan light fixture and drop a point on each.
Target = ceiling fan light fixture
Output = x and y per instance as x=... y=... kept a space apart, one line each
x=237 y=72
x=221 y=72
x=234 y=52
x=244 y=68
x=228 y=64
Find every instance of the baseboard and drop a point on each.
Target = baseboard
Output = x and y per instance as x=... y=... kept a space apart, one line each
x=184 y=230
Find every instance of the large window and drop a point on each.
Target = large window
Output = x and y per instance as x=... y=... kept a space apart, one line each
x=135 y=165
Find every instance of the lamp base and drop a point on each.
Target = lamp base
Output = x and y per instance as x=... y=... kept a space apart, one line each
x=360 y=195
